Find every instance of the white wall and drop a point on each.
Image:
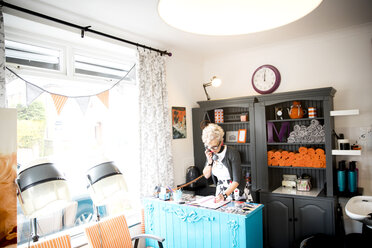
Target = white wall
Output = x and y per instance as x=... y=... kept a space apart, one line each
x=184 y=73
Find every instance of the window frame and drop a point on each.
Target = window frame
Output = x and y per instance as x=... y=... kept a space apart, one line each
x=68 y=50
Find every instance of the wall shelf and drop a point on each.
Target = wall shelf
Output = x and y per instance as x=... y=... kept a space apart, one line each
x=347 y=152
x=345 y=112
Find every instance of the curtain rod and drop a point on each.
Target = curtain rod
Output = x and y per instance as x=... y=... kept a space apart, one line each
x=83 y=29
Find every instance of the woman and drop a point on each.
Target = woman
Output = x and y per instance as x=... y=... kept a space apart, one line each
x=223 y=164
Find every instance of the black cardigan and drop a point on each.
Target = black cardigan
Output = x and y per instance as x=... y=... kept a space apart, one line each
x=233 y=163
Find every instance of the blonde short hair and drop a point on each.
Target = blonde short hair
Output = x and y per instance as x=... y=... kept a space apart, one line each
x=212 y=132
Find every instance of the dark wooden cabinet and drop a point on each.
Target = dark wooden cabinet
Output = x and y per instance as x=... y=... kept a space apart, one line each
x=288 y=220
x=288 y=217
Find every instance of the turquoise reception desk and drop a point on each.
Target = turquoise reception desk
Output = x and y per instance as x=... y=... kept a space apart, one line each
x=196 y=227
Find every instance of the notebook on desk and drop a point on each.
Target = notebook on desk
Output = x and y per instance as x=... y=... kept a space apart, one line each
x=208 y=202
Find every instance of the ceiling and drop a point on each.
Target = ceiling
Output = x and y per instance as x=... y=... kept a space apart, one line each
x=139 y=20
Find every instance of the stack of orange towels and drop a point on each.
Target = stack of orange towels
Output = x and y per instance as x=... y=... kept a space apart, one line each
x=305 y=157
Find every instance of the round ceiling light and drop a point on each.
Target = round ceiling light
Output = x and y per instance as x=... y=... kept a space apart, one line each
x=232 y=17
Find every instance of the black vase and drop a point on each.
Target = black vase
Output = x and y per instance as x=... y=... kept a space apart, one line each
x=191 y=173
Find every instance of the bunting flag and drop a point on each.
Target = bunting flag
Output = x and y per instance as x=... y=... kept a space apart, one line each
x=59 y=102
x=131 y=75
x=104 y=97
x=9 y=77
x=83 y=103
x=32 y=92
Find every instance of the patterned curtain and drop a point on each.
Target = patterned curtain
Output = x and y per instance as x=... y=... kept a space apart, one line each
x=156 y=165
x=2 y=62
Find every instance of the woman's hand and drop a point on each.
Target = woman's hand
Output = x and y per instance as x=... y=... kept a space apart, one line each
x=207 y=171
x=219 y=198
x=209 y=155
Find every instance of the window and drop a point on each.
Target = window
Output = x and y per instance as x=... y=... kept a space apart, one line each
x=81 y=136
x=31 y=55
x=101 y=68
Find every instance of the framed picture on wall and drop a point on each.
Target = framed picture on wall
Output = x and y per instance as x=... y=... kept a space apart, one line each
x=179 y=122
x=242 y=134
x=232 y=136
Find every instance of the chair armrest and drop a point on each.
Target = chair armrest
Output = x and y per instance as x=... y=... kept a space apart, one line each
x=147 y=236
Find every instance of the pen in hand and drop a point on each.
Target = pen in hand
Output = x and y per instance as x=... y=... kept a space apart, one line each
x=171 y=190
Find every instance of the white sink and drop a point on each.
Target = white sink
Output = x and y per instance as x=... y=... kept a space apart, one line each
x=359 y=207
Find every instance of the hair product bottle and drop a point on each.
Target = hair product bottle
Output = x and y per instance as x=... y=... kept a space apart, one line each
x=341 y=176
x=352 y=177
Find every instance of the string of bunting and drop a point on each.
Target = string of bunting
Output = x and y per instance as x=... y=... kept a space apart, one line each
x=33 y=92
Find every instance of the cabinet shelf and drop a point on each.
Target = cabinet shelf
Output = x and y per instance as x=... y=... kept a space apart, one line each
x=233 y=122
x=236 y=144
x=347 y=152
x=285 y=143
x=300 y=119
x=314 y=192
x=348 y=194
x=297 y=168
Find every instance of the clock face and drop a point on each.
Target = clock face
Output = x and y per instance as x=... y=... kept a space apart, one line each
x=266 y=79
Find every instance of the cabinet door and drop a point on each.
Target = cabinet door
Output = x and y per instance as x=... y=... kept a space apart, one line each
x=278 y=219
x=312 y=217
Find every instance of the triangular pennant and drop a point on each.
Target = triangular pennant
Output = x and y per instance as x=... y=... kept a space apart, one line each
x=32 y=92
x=9 y=77
x=83 y=103
x=132 y=74
x=59 y=102
x=104 y=97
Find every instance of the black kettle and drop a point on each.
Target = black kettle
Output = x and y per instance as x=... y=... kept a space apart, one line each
x=192 y=173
